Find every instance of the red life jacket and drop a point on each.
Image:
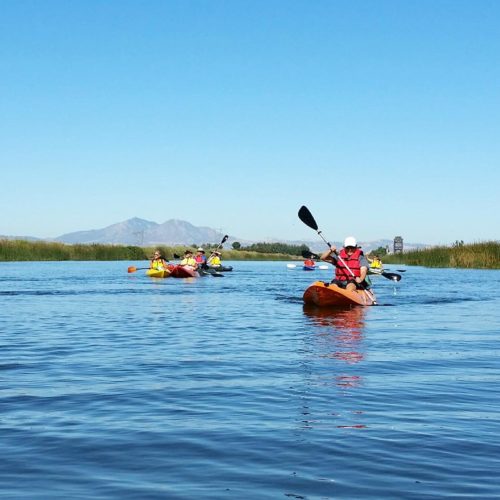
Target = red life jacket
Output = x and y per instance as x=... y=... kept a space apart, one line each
x=352 y=262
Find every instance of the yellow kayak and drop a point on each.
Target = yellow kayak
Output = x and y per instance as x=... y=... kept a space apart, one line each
x=158 y=273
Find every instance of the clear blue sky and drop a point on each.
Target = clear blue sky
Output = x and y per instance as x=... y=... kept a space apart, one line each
x=381 y=116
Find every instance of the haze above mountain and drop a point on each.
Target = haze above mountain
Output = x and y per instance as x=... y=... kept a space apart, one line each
x=172 y=232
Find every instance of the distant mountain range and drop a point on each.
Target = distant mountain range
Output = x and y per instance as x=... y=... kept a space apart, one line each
x=144 y=232
x=141 y=232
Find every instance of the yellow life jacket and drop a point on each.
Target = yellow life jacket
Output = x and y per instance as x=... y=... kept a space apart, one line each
x=188 y=261
x=215 y=261
x=376 y=264
x=157 y=264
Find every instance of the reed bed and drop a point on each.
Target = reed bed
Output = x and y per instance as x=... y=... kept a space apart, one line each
x=21 y=250
x=481 y=255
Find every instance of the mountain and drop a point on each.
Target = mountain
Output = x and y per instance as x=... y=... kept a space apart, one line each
x=143 y=232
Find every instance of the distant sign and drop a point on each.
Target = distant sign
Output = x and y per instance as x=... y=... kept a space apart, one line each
x=398 y=244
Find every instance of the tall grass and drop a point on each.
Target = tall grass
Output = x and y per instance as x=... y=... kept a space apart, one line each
x=482 y=255
x=20 y=250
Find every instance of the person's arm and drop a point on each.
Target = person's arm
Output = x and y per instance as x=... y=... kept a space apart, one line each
x=327 y=256
x=363 y=262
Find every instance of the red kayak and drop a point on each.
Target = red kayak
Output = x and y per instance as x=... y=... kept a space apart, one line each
x=325 y=294
x=178 y=271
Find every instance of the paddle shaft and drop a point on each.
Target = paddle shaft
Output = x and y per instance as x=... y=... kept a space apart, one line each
x=218 y=246
x=385 y=274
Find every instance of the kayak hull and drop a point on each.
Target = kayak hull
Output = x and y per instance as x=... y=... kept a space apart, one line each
x=221 y=269
x=309 y=268
x=157 y=273
x=328 y=295
x=179 y=271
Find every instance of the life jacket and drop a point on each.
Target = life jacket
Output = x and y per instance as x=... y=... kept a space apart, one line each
x=200 y=258
x=352 y=262
x=215 y=261
x=188 y=262
x=309 y=263
x=157 y=264
x=376 y=264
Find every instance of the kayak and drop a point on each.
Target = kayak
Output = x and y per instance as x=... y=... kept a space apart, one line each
x=309 y=268
x=158 y=273
x=325 y=294
x=178 y=271
x=209 y=272
x=221 y=269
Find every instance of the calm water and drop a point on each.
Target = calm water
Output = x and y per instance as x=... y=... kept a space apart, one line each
x=114 y=385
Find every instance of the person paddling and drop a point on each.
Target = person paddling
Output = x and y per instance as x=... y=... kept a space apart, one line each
x=375 y=263
x=351 y=265
x=309 y=263
x=158 y=262
x=214 y=260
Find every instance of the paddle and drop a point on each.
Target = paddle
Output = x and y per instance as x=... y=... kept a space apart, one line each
x=307 y=218
x=390 y=276
x=218 y=246
x=133 y=269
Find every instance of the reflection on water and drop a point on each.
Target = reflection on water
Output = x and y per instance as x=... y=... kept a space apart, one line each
x=338 y=335
x=340 y=328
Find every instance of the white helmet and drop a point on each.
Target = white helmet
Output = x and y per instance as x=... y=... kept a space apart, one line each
x=350 y=241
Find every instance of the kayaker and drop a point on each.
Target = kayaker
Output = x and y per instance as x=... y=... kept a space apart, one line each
x=375 y=263
x=309 y=263
x=158 y=262
x=189 y=260
x=352 y=257
x=214 y=260
x=200 y=257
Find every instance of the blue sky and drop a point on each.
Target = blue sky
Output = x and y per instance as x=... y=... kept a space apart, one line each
x=381 y=116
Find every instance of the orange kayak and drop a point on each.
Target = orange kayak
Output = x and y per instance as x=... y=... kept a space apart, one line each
x=324 y=294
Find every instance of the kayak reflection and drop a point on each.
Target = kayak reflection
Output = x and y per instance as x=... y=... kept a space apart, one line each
x=342 y=327
x=338 y=338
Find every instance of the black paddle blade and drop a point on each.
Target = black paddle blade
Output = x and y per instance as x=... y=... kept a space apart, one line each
x=391 y=276
x=224 y=239
x=306 y=217
x=309 y=255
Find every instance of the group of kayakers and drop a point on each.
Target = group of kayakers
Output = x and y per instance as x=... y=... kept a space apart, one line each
x=158 y=262
x=351 y=265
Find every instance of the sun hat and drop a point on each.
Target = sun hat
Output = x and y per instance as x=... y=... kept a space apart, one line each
x=350 y=241
x=200 y=249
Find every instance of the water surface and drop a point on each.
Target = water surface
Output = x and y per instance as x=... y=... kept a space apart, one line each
x=115 y=385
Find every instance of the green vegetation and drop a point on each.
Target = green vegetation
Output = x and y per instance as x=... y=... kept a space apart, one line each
x=20 y=250
x=484 y=255
x=276 y=248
